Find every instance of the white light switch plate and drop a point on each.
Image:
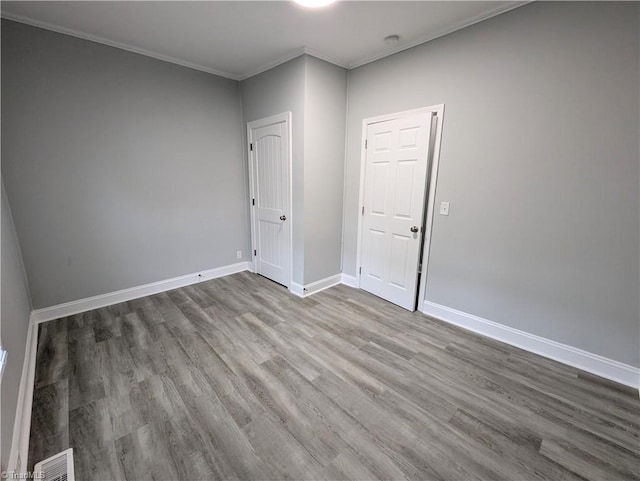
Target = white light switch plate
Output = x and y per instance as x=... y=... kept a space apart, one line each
x=444 y=208
x=3 y=361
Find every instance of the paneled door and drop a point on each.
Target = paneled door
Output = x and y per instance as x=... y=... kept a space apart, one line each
x=270 y=166
x=396 y=163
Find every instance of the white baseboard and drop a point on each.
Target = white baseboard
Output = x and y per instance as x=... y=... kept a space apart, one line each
x=322 y=284
x=587 y=361
x=297 y=289
x=22 y=424
x=102 y=300
x=593 y=363
x=314 y=287
x=348 y=280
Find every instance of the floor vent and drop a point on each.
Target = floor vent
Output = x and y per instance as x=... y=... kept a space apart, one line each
x=56 y=468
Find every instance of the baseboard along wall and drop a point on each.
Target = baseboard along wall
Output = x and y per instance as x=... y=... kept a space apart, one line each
x=314 y=287
x=123 y=295
x=348 y=280
x=572 y=356
x=22 y=423
x=593 y=363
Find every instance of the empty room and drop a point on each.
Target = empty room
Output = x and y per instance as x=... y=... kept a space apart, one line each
x=320 y=240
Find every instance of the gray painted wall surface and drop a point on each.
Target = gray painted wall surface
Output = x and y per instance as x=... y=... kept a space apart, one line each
x=324 y=131
x=14 y=323
x=539 y=160
x=275 y=91
x=120 y=169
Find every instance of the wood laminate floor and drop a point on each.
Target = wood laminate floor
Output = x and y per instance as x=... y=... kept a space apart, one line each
x=237 y=379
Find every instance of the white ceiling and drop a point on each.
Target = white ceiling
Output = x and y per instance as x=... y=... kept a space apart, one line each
x=238 y=39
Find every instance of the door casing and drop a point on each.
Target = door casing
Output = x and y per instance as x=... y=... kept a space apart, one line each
x=273 y=119
x=432 y=176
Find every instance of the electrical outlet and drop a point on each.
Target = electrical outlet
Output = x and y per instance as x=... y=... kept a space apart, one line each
x=239 y=254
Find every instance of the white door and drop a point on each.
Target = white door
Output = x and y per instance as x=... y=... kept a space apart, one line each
x=269 y=159
x=394 y=200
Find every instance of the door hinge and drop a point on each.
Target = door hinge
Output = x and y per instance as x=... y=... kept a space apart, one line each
x=420 y=268
x=253 y=202
x=365 y=143
x=360 y=271
x=255 y=252
x=251 y=146
x=363 y=210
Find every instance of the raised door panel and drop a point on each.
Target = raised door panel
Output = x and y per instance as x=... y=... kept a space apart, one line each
x=394 y=194
x=270 y=171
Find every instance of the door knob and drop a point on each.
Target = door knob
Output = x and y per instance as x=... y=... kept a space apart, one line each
x=283 y=217
x=414 y=228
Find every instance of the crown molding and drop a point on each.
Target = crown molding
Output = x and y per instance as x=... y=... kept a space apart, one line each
x=290 y=56
x=111 y=43
x=440 y=33
x=274 y=63
x=326 y=58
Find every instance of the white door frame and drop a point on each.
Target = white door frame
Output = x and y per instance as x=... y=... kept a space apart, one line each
x=255 y=124
x=432 y=175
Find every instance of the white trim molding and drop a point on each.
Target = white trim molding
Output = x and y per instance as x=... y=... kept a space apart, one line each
x=286 y=118
x=296 y=289
x=348 y=280
x=22 y=424
x=102 y=300
x=440 y=33
x=112 y=43
x=322 y=284
x=593 y=363
x=572 y=356
x=437 y=112
x=315 y=287
x=290 y=55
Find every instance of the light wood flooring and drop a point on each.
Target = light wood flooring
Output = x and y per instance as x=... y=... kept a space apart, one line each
x=237 y=379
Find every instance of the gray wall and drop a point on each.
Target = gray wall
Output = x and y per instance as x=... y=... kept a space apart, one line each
x=14 y=323
x=120 y=169
x=275 y=91
x=324 y=131
x=315 y=92
x=540 y=162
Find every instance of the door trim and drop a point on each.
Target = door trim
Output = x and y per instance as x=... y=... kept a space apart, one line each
x=432 y=176
x=255 y=124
